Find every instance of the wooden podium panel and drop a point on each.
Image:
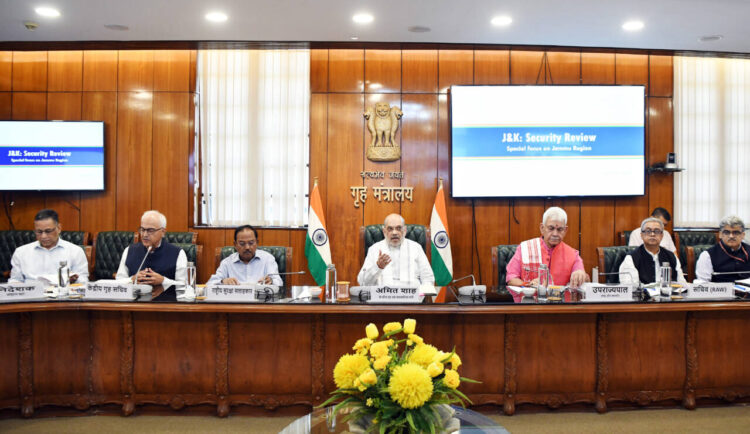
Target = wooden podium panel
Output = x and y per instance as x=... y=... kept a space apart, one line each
x=281 y=356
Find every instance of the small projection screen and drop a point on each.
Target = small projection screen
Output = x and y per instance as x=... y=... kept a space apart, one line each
x=51 y=155
x=547 y=141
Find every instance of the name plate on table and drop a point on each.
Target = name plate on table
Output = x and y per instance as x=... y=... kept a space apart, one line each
x=231 y=293
x=21 y=291
x=389 y=294
x=603 y=292
x=711 y=291
x=110 y=291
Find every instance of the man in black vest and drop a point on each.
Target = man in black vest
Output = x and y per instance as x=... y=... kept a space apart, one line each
x=644 y=263
x=165 y=265
x=730 y=255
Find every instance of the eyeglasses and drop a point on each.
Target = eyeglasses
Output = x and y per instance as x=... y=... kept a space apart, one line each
x=45 y=231
x=727 y=233
x=149 y=231
x=653 y=231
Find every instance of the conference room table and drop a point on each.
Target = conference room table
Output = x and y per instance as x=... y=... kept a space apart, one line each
x=277 y=355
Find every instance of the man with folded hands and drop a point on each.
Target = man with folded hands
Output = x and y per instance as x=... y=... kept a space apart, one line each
x=564 y=263
x=247 y=264
x=155 y=261
x=644 y=263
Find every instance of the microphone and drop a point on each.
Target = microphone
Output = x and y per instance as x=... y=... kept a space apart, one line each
x=472 y=289
x=285 y=274
x=142 y=262
x=723 y=273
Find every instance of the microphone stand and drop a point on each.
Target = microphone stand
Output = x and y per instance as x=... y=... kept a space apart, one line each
x=142 y=262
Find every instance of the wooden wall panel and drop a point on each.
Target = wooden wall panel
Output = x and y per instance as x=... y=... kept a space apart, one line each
x=597 y=217
x=98 y=209
x=171 y=135
x=631 y=69
x=299 y=261
x=346 y=70
x=455 y=67
x=525 y=218
x=525 y=67
x=493 y=221
x=598 y=68
x=345 y=155
x=319 y=144
x=319 y=70
x=629 y=212
x=100 y=70
x=29 y=71
x=64 y=106
x=660 y=139
x=419 y=71
x=47 y=338
x=660 y=76
x=564 y=67
x=491 y=66
x=106 y=350
x=134 y=158
x=419 y=155
x=172 y=70
x=6 y=105
x=210 y=239
x=9 y=359
x=6 y=70
x=29 y=106
x=383 y=71
x=375 y=211
x=135 y=70
x=65 y=71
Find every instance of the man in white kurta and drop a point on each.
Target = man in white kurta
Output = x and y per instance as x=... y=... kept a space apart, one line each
x=395 y=260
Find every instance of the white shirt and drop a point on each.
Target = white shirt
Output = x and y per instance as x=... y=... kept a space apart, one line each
x=666 y=241
x=262 y=265
x=180 y=273
x=628 y=266
x=32 y=262
x=408 y=264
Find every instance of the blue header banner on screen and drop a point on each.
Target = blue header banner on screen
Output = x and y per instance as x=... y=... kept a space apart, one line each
x=51 y=156
x=547 y=141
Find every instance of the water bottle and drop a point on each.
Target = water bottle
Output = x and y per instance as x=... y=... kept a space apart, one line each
x=63 y=277
x=665 y=279
x=190 y=284
x=331 y=283
x=543 y=283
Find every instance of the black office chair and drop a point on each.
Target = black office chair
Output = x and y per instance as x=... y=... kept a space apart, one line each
x=693 y=253
x=683 y=239
x=282 y=254
x=610 y=259
x=108 y=248
x=501 y=255
x=372 y=234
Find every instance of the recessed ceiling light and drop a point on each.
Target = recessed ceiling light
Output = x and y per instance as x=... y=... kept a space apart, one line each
x=363 y=18
x=354 y=38
x=419 y=29
x=47 y=11
x=711 y=38
x=633 y=25
x=501 y=20
x=216 y=17
x=118 y=27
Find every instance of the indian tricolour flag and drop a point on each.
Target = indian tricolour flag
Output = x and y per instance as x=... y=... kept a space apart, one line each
x=317 y=248
x=442 y=260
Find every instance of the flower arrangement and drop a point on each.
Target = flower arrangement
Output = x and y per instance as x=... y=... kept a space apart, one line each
x=397 y=392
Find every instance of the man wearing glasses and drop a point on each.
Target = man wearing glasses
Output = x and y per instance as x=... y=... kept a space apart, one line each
x=730 y=255
x=166 y=264
x=643 y=264
x=247 y=264
x=41 y=259
x=666 y=241
x=564 y=262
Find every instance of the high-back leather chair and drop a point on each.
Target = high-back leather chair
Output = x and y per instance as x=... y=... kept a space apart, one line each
x=76 y=237
x=683 y=239
x=108 y=248
x=371 y=234
x=192 y=251
x=693 y=253
x=181 y=237
x=9 y=242
x=501 y=255
x=610 y=259
x=282 y=254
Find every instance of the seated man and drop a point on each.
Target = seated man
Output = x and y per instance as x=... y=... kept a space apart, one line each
x=662 y=214
x=41 y=259
x=247 y=264
x=564 y=262
x=729 y=255
x=166 y=264
x=643 y=264
x=395 y=259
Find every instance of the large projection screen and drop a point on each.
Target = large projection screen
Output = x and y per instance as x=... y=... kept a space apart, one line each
x=547 y=141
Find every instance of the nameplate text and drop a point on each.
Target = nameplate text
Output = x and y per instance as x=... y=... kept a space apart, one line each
x=109 y=291
x=389 y=294
x=593 y=292
x=21 y=291
x=711 y=291
x=231 y=293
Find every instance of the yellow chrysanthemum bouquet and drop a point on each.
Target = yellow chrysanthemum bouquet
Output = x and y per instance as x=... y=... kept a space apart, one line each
x=396 y=391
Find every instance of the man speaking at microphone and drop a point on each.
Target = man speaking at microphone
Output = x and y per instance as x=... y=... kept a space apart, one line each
x=166 y=264
x=247 y=264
